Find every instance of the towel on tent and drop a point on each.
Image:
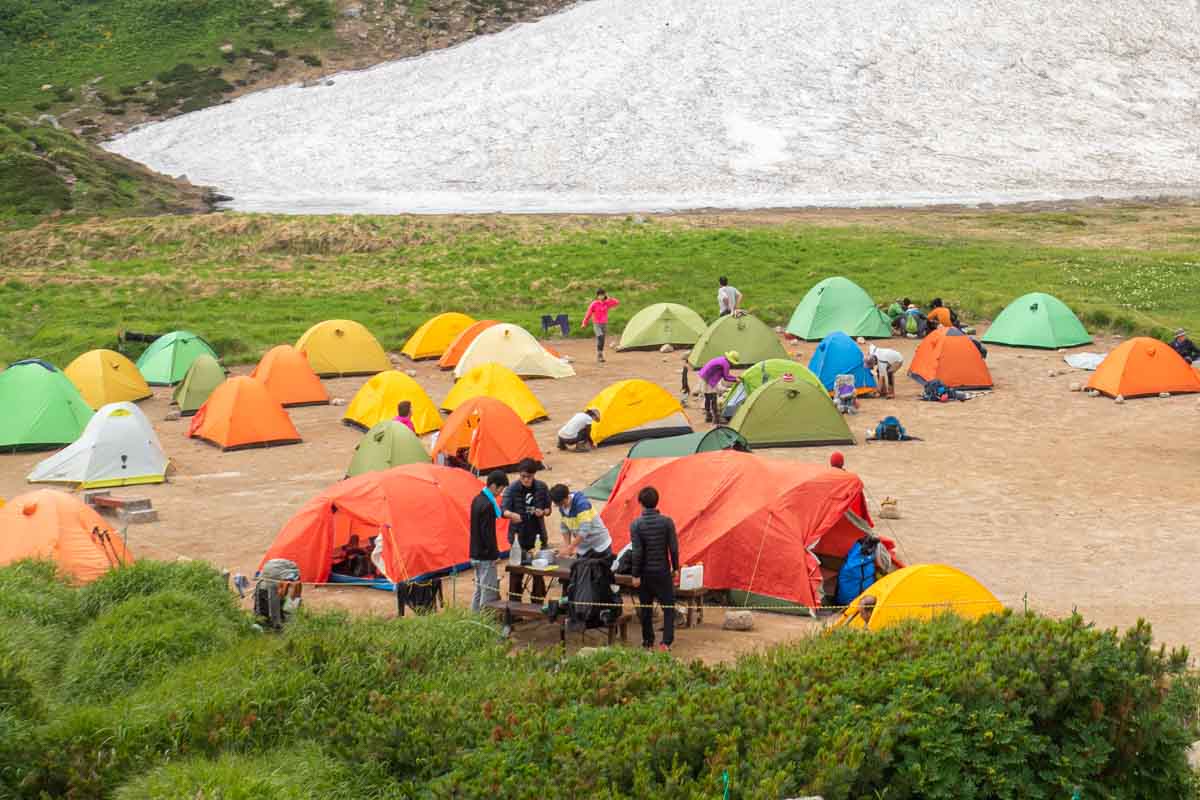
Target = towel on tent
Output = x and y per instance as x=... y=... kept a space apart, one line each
x=1088 y=361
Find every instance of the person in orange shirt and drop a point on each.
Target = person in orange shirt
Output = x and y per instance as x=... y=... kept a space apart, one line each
x=939 y=313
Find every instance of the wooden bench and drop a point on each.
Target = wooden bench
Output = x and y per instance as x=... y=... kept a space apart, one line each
x=511 y=613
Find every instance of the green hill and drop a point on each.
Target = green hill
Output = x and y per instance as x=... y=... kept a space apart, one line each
x=44 y=170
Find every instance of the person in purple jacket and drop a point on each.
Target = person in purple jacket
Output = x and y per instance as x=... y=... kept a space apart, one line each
x=717 y=370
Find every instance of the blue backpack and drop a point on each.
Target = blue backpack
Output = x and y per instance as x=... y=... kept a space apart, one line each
x=889 y=429
x=857 y=572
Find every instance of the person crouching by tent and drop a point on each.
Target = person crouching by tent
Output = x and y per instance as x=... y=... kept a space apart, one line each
x=1185 y=347
x=597 y=314
x=655 y=563
x=716 y=370
x=485 y=510
x=886 y=363
x=577 y=432
x=895 y=313
x=584 y=533
x=529 y=499
x=404 y=415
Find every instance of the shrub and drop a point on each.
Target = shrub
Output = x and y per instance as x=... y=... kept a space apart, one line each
x=195 y=578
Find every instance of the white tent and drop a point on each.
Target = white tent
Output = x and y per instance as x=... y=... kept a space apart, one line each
x=513 y=347
x=117 y=448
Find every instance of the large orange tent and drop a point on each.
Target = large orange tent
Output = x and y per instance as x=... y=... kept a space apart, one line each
x=491 y=432
x=949 y=355
x=432 y=338
x=754 y=523
x=58 y=526
x=462 y=341
x=289 y=378
x=1144 y=366
x=420 y=510
x=242 y=413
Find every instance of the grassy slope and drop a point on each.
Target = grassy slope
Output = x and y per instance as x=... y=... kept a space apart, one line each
x=249 y=282
x=44 y=170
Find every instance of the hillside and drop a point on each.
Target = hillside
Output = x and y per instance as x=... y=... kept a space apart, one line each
x=44 y=170
x=623 y=105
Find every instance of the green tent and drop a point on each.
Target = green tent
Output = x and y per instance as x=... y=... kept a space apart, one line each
x=753 y=340
x=1037 y=319
x=388 y=444
x=203 y=376
x=719 y=438
x=790 y=413
x=167 y=359
x=838 y=304
x=759 y=374
x=40 y=408
x=662 y=323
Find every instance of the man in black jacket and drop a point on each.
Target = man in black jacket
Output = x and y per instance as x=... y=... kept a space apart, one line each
x=485 y=510
x=655 y=565
x=529 y=500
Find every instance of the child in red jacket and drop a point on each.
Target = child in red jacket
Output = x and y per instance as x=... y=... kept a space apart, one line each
x=597 y=314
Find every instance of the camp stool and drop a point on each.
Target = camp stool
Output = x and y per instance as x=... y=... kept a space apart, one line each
x=563 y=323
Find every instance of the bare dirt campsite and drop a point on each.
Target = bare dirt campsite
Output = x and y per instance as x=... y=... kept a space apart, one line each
x=1049 y=497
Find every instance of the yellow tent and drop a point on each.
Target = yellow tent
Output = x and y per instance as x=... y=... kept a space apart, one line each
x=342 y=347
x=106 y=376
x=432 y=338
x=378 y=398
x=636 y=409
x=501 y=383
x=515 y=348
x=922 y=591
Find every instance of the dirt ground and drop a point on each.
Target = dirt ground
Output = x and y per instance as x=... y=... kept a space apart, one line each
x=1049 y=497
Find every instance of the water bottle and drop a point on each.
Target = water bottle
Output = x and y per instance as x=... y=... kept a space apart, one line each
x=514 y=553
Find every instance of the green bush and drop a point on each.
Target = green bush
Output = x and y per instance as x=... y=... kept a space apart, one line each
x=143 y=638
x=195 y=578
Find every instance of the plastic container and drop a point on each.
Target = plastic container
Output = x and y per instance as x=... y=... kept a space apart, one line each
x=691 y=577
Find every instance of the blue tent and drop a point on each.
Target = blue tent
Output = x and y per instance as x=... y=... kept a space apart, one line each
x=837 y=354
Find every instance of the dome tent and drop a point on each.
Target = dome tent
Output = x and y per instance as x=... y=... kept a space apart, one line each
x=659 y=324
x=748 y=335
x=838 y=354
x=718 y=438
x=203 y=376
x=501 y=383
x=387 y=444
x=513 y=347
x=491 y=432
x=950 y=356
x=289 y=378
x=39 y=407
x=117 y=448
x=433 y=337
x=106 y=376
x=753 y=522
x=838 y=304
x=241 y=413
x=921 y=591
x=47 y=523
x=790 y=413
x=166 y=361
x=459 y=345
x=1142 y=366
x=1037 y=319
x=758 y=374
x=636 y=409
x=340 y=347
x=378 y=398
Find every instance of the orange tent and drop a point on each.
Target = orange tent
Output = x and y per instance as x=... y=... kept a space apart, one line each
x=449 y=359
x=1143 y=366
x=422 y=512
x=286 y=373
x=58 y=526
x=242 y=413
x=491 y=432
x=754 y=523
x=950 y=356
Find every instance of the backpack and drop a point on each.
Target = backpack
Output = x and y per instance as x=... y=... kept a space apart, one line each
x=889 y=429
x=857 y=572
x=591 y=601
x=912 y=324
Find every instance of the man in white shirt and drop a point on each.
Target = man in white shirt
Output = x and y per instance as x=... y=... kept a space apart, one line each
x=578 y=430
x=729 y=299
x=886 y=363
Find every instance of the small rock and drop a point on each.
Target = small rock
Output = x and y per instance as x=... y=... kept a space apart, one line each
x=338 y=401
x=95 y=80
x=1164 y=394
x=226 y=48
x=1052 y=373
x=584 y=652
x=779 y=329
x=1076 y=386
x=172 y=416
x=638 y=219
x=666 y=348
x=329 y=81
x=47 y=87
x=362 y=35
x=1119 y=399
x=353 y=12
x=49 y=119
x=412 y=373
x=738 y=621
x=1062 y=349
x=1093 y=392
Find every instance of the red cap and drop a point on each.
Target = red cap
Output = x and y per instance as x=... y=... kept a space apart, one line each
x=837 y=460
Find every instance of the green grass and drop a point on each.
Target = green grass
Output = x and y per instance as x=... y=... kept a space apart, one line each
x=248 y=282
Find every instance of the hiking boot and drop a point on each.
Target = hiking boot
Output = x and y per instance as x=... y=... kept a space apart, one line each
x=600 y=357
x=582 y=447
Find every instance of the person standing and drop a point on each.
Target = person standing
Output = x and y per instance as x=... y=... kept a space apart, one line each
x=577 y=432
x=886 y=363
x=529 y=500
x=729 y=299
x=584 y=533
x=712 y=373
x=484 y=552
x=597 y=313
x=404 y=415
x=655 y=563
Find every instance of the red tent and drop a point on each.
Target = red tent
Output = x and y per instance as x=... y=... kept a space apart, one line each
x=751 y=521
x=422 y=512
